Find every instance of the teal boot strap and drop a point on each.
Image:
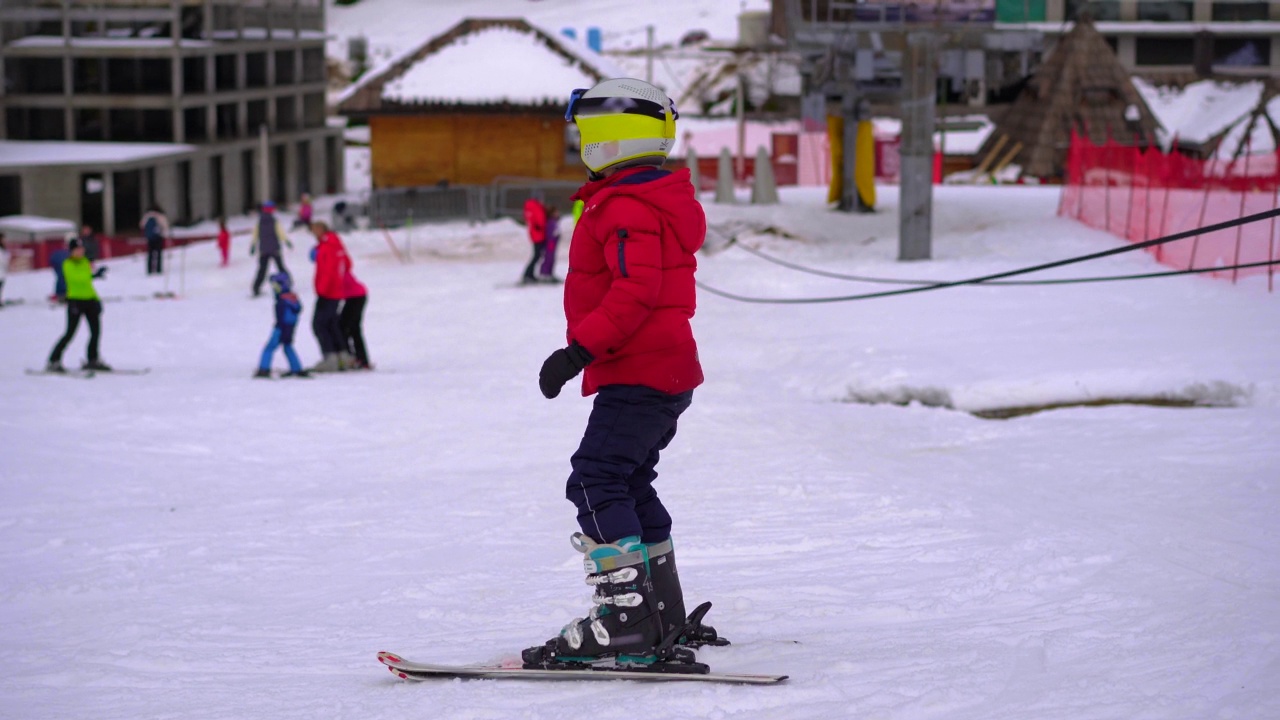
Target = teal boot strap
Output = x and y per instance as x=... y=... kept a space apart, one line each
x=635 y=557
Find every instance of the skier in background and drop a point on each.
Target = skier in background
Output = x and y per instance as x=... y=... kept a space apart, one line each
x=268 y=235
x=331 y=268
x=4 y=267
x=552 y=234
x=155 y=228
x=351 y=319
x=224 y=241
x=82 y=300
x=56 y=259
x=92 y=248
x=535 y=222
x=303 y=220
x=288 y=309
x=628 y=297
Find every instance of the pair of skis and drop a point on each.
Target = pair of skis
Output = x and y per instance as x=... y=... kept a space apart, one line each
x=86 y=373
x=514 y=669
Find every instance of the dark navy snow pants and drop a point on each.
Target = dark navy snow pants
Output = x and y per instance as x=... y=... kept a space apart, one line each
x=613 y=469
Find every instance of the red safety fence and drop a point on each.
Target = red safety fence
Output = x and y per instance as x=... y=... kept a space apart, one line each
x=1142 y=194
x=35 y=255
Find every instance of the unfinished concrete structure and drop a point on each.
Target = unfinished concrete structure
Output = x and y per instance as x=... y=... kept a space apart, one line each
x=239 y=81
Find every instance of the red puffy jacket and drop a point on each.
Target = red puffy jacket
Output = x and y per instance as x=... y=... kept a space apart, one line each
x=535 y=220
x=332 y=265
x=629 y=292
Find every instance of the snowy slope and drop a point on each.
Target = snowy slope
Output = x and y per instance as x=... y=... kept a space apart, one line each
x=178 y=544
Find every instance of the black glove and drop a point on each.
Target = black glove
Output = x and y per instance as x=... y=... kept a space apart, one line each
x=562 y=366
x=100 y=271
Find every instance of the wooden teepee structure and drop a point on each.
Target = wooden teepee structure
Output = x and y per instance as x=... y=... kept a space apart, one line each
x=1081 y=86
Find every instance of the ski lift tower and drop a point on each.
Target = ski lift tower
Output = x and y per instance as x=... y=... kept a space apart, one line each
x=871 y=56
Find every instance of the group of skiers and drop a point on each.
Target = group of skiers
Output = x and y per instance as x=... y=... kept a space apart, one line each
x=542 y=222
x=338 y=318
x=629 y=295
x=337 y=321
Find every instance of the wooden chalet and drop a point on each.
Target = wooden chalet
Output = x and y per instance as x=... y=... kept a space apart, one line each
x=483 y=100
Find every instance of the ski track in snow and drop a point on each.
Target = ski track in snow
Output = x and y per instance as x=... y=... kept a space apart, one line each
x=196 y=544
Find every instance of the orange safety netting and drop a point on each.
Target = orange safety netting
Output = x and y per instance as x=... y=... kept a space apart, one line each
x=1141 y=194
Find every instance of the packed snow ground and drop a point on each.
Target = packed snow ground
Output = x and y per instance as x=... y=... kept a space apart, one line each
x=197 y=544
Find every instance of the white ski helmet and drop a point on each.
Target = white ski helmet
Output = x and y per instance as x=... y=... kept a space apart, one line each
x=621 y=120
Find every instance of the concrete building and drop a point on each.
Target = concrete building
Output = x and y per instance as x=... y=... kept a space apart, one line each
x=228 y=83
x=1167 y=39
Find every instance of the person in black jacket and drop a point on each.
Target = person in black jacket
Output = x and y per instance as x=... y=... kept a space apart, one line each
x=268 y=235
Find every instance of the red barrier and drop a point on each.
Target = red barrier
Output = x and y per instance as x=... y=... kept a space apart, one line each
x=1140 y=195
x=36 y=255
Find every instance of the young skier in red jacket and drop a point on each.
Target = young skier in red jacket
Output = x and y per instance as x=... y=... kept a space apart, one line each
x=628 y=298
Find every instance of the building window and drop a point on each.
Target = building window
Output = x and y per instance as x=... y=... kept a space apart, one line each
x=286 y=68
x=1167 y=11
x=255 y=65
x=286 y=113
x=89 y=76
x=313 y=65
x=37 y=76
x=313 y=110
x=248 y=175
x=1242 y=51
x=138 y=76
x=127 y=125
x=224 y=67
x=35 y=124
x=10 y=195
x=1164 y=50
x=195 y=125
x=572 y=146
x=257 y=115
x=1239 y=10
x=228 y=121
x=91 y=124
x=193 y=75
x=1097 y=9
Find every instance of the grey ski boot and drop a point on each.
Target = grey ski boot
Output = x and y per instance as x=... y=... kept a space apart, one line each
x=627 y=625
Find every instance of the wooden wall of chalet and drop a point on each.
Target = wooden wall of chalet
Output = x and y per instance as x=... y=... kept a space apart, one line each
x=467 y=149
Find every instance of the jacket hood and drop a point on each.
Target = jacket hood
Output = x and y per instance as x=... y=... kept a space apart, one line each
x=669 y=194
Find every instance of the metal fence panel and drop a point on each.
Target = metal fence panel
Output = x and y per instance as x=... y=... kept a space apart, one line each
x=400 y=206
x=508 y=195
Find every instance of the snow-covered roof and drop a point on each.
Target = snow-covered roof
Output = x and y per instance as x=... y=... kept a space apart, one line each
x=477 y=69
x=1202 y=111
x=482 y=61
x=35 y=225
x=29 y=153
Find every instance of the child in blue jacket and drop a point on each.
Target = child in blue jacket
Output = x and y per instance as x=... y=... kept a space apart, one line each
x=288 y=308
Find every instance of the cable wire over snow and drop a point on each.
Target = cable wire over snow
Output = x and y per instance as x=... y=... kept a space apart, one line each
x=926 y=285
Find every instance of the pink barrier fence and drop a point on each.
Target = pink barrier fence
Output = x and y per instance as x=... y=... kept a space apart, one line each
x=1140 y=195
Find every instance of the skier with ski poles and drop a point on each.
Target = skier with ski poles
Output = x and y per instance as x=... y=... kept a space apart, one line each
x=628 y=297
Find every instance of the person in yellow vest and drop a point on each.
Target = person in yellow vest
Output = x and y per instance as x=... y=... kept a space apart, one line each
x=82 y=299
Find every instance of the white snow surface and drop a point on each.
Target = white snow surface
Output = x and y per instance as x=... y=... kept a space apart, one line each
x=194 y=543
